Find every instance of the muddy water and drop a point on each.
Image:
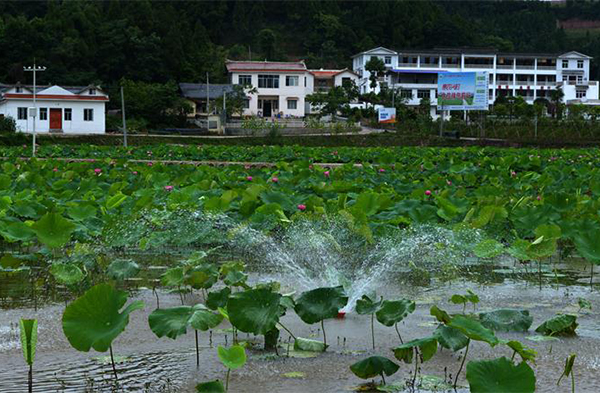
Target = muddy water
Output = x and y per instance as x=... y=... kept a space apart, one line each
x=148 y=364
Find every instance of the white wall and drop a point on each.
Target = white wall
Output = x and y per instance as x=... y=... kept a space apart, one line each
x=76 y=126
x=283 y=92
x=337 y=80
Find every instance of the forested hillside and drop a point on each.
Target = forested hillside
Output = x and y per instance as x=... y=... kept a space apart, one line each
x=84 y=41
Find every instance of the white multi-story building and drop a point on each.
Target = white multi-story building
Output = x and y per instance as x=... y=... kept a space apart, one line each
x=413 y=73
x=282 y=86
x=69 y=110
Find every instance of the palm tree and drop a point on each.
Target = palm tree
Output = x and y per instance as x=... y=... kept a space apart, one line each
x=556 y=97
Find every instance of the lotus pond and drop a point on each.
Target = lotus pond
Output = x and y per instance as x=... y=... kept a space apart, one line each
x=420 y=270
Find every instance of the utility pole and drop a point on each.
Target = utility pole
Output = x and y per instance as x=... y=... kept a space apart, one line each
x=34 y=69
x=123 y=115
x=207 y=98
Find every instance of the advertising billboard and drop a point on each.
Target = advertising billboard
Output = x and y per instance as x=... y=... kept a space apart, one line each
x=387 y=115
x=463 y=91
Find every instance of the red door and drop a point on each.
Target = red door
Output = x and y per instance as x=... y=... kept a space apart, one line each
x=55 y=119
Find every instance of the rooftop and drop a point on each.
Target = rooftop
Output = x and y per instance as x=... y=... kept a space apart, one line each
x=329 y=73
x=72 y=89
x=198 y=90
x=265 y=65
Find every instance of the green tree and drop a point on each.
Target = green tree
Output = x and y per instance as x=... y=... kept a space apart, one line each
x=376 y=69
x=332 y=101
x=556 y=104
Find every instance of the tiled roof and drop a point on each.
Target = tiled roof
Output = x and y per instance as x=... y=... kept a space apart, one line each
x=38 y=88
x=198 y=90
x=265 y=66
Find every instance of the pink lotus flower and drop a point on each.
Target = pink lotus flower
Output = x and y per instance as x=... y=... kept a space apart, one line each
x=422 y=167
x=169 y=188
x=381 y=170
x=97 y=171
x=301 y=207
x=448 y=182
x=539 y=198
x=326 y=173
x=310 y=166
x=275 y=179
x=513 y=173
x=246 y=166
x=249 y=178
x=150 y=163
x=428 y=193
x=135 y=172
x=335 y=153
x=55 y=170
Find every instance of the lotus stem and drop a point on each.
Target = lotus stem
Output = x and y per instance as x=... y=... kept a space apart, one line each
x=399 y=336
x=414 y=381
x=197 y=350
x=227 y=380
x=324 y=336
x=540 y=273
x=287 y=330
x=373 y=330
x=30 y=378
x=383 y=378
x=513 y=356
x=157 y=300
x=572 y=382
x=462 y=363
x=592 y=276
x=112 y=361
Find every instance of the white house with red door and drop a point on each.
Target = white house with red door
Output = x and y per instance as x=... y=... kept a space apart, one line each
x=60 y=109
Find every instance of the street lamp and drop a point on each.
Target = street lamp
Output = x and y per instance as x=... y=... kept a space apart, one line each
x=34 y=69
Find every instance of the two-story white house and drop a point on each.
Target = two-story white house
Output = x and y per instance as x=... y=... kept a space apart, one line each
x=281 y=87
x=67 y=109
x=413 y=73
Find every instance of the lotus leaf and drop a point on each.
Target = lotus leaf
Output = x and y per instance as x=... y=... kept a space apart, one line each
x=427 y=346
x=216 y=299
x=305 y=344
x=233 y=357
x=254 y=311
x=473 y=329
x=53 y=230
x=122 y=269
x=202 y=276
x=527 y=354
x=500 y=375
x=489 y=248
x=450 y=338
x=321 y=303
x=366 y=305
x=394 y=311
x=210 y=387
x=374 y=366
x=28 y=329
x=506 y=320
x=588 y=245
x=66 y=273
x=560 y=325
x=173 y=322
x=93 y=320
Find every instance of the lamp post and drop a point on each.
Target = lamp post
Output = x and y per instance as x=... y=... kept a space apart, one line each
x=34 y=69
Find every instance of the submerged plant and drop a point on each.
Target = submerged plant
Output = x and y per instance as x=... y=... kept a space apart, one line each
x=28 y=329
x=560 y=325
x=94 y=321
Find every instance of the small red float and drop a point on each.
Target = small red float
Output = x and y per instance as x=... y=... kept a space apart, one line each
x=341 y=314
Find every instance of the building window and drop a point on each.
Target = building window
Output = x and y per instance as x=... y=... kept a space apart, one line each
x=246 y=103
x=21 y=113
x=292 y=104
x=579 y=63
x=268 y=81
x=423 y=94
x=291 y=80
x=565 y=78
x=405 y=93
x=18 y=89
x=565 y=64
x=388 y=60
x=43 y=113
x=579 y=93
x=88 y=115
x=92 y=92
x=68 y=114
x=245 y=80
x=304 y=81
x=579 y=79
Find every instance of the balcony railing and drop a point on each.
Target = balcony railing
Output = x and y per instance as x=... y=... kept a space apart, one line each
x=450 y=65
x=549 y=68
x=525 y=67
x=430 y=65
x=479 y=65
x=505 y=67
x=414 y=65
x=504 y=82
x=546 y=83
x=524 y=83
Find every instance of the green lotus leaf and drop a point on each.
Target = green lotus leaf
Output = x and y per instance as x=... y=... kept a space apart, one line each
x=18 y=231
x=500 y=375
x=94 y=321
x=527 y=354
x=321 y=303
x=66 y=273
x=210 y=387
x=202 y=276
x=305 y=344
x=441 y=315
x=588 y=245
x=427 y=346
x=560 y=325
x=173 y=277
x=173 y=322
x=53 y=230
x=473 y=329
x=235 y=278
x=28 y=329
x=506 y=320
x=394 y=311
x=374 y=366
x=450 y=338
x=518 y=250
x=81 y=212
x=254 y=311
x=122 y=269
x=489 y=248
x=216 y=299
x=366 y=305
x=233 y=357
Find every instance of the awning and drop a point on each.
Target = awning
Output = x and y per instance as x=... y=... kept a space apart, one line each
x=291 y=98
